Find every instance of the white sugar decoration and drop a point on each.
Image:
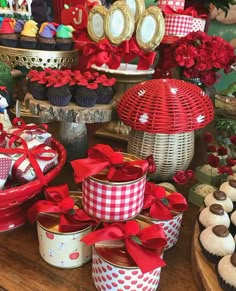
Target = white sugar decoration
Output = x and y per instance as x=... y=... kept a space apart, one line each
x=143 y=118
x=200 y=118
x=141 y=92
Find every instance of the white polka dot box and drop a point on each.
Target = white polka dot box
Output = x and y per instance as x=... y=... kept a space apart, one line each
x=62 y=250
x=175 y=5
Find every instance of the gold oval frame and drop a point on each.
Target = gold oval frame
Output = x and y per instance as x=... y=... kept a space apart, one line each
x=156 y=13
x=102 y=11
x=129 y=22
x=140 y=8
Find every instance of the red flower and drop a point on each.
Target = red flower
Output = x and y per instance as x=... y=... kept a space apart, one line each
x=233 y=139
x=222 y=151
x=190 y=174
x=92 y=86
x=151 y=164
x=225 y=170
x=211 y=148
x=231 y=162
x=180 y=177
x=207 y=137
x=213 y=161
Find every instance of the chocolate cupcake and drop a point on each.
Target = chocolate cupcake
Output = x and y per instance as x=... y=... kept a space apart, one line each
x=28 y=37
x=64 y=37
x=226 y=272
x=46 y=40
x=229 y=188
x=105 y=90
x=216 y=242
x=85 y=95
x=219 y=197
x=213 y=215
x=8 y=37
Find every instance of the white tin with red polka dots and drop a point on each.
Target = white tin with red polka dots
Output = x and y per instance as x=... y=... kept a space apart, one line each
x=62 y=250
x=171 y=228
x=111 y=277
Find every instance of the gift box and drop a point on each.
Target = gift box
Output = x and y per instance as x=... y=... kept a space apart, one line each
x=199 y=24
x=119 y=262
x=178 y=24
x=5 y=169
x=174 y=4
x=198 y=192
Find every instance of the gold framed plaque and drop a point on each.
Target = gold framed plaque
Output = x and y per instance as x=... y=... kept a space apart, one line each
x=137 y=8
x=119 y=23
x=150 y=28
x=95 y=26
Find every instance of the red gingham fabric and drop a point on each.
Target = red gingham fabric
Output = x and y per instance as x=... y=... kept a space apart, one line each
x=198 y=24
x=177 y=24
x=113 y=202
x=174 y=4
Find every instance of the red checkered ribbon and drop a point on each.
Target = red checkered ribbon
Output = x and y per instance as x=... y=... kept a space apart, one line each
x=58 y=201
x=160 y=205
x=113 y=202
x=143 y=245
x=179 y=25
x=103 y=156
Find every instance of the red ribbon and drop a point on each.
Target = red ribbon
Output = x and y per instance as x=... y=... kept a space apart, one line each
x=160 y=204
x=32 y=154
x=3 y=88
x=146 y=59
x=58 y=201
x=191 y=11
x=22 y=126
x=143 y=245
x=103 y=156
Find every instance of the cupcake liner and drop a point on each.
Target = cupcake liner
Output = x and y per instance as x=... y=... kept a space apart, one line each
x=201 y=226
x=208 y=256
x=10 y=40
x=38 y=91
x=64 y=44
x=28 y=43
x=85 y=97
x=46 y=46
x=105 y=94
x=225 y=286
x=59 y=96
x=232 y=229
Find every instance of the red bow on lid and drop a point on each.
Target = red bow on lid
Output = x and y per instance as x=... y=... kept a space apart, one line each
x=58 y=201
x=103 y=156
x=143 y=245
x=160 y=204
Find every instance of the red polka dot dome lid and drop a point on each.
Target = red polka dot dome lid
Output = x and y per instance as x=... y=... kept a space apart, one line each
x=165 y=106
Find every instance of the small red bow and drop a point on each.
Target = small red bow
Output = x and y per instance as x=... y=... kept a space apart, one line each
x=58 y=201
x=3 y=88
x=103 y=156
x=22 y=126
x=160 y=204
x=143 y=245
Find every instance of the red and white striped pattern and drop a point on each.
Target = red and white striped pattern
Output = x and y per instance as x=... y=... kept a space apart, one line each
x=178 y=25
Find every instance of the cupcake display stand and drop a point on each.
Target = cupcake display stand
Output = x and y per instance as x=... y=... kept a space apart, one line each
x=203 y=271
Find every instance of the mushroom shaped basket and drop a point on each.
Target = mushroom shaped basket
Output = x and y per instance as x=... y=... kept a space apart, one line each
x=163 y=114
x=15 y=201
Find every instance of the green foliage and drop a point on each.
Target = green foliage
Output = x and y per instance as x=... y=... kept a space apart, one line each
x=6 y=78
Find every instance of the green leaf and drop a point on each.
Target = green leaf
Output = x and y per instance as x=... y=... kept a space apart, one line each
x=136 y=239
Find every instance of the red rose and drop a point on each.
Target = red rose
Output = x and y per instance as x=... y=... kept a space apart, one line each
x=207 y=137
x=190 y=174
x=180 y=177
x=211 y=148
x=231 y=162
x=222 y=151
x=151 y=164
x=213 y=161
x=233 y=139
x=225 y=170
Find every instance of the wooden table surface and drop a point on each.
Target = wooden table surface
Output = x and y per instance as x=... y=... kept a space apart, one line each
x=22 y=268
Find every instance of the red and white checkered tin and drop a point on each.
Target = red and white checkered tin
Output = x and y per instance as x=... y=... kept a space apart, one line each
x=108 y=201
x=199 y=24
x=171 y=228
x=174 y=4
x=178 y=25
x=62 y=250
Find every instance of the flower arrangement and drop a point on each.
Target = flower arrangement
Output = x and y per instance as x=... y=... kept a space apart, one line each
x=191 y=53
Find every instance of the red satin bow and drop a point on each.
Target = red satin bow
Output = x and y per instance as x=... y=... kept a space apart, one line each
x=160 y=204
x=3 y=88
x=191 y=11
x=143 y=245
x=21 y=126
x=58 y=201
x=103 y=156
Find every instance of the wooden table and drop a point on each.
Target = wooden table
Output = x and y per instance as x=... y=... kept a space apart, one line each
x=22 y=268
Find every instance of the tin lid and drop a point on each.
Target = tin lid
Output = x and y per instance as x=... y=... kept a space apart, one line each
x=114 y=252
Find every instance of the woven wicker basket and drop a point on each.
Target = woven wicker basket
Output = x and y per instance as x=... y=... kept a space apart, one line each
x=171 y=152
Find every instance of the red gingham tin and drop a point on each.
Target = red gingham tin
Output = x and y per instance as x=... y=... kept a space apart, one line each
x=178 y=25
x=171 y=228
x=174 y=4
x=199 y=24
x=109 y=201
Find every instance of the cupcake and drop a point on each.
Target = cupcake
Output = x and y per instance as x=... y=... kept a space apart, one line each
x=85 y=95
x=28 y=37
x=64 y=37
x=226 y=272
x=233 y=223
x=46 y=40
x=58 y=93
x=19 y=27
x=219 y=197
x=37 y=84
x=105 y=90
x=213 y=215
x=216 y=242
x=8 y=37
x=229 y=187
